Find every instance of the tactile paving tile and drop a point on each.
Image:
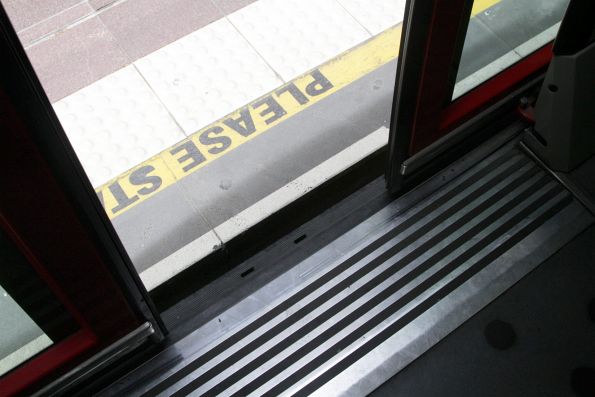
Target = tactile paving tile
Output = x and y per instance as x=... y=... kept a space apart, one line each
x=207 y=74
x=376 y=15
x=116 y=123
x=294 y=36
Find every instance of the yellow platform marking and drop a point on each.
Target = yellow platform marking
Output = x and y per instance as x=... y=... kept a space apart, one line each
x=482 y=5
x=219 y=138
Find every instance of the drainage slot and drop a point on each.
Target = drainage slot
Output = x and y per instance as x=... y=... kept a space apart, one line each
x=299 y=239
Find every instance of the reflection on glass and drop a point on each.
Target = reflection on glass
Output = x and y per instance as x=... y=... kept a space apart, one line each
x=502 y=35
x=20 y=337
x=31 y=317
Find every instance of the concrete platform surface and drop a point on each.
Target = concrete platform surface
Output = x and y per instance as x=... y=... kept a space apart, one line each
x=187 y=114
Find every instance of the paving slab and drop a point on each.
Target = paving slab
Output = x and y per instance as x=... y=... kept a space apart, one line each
x=229 y=6
x=294 y=36
x=25 y=13
x=169 y=223
x=115 y=124
x=375 y=15
x=207 y=74
x=515 y=21
x=76 y=57
x=143 y=26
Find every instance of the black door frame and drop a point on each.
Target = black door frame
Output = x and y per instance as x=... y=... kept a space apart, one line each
x=38 y=162
x=431 y=46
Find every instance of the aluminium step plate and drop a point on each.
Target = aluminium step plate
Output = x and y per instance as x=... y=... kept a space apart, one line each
x=116 y=123
x=355 y=313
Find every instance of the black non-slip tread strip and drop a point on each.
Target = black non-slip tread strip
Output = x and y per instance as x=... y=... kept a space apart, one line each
x=378 y=279
x=386 y=293
x=292 y=300
x=295 y=317
x=392 y=329
x=349 y=262
x=409 y=297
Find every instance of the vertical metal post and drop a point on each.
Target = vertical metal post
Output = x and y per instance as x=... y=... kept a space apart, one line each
x=431 y=46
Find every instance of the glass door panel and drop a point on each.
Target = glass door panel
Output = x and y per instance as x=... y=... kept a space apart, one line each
x=460 y=58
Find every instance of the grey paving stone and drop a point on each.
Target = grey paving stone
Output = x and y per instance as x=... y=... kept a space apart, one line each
x=229 y=6
x=99 y=4
x=59 y=21
x=143 y=26
x=24 y=13
x=158 y=227
x=76 y=57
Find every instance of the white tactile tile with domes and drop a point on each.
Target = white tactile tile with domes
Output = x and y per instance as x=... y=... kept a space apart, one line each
x=294 y=36
x=376 y=15
x=115 y=124
x=127 y=117
x=207 y=74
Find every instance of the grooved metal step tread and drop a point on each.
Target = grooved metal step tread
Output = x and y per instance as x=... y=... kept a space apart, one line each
x=361 y=309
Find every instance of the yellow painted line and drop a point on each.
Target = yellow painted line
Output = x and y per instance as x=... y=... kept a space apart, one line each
x=482 y=5
x=219 y=138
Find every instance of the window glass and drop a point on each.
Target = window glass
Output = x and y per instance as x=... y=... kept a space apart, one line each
x=504 y=33
x=31 y=317
x=21 y=337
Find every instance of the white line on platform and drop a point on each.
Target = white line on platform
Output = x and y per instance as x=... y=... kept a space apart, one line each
x=24 y=353
x=538 y=41
x=180 y=260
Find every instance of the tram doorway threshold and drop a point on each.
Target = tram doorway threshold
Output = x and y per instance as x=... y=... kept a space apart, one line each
x=349 y=317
